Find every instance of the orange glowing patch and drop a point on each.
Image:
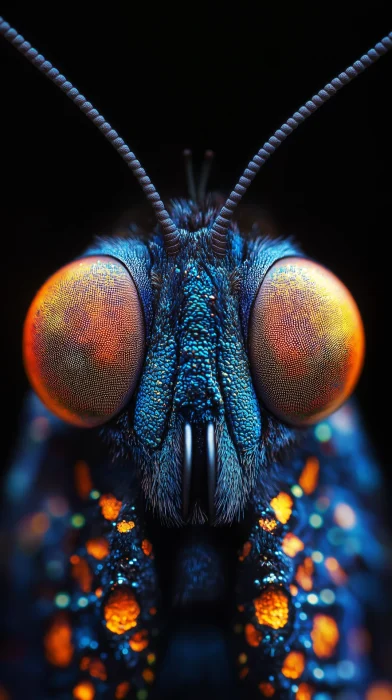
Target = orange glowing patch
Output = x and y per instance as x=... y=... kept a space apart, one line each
x=147 y=547
x=125 y=526
x=245 y=551
x=39 y=524
x=310 y=475
x=98 y=592
x=81 y=573
x=294 y=664
x=252 y=635
x=291 y=544
x=58 y=642
x=306 y=341
x=272 y=608
x=98 y=547
x=325 y=636
x=304 y=575
x=94 y=666
x=304 y=692
x=379 y=691
x=139 y=641
x=267 y=689
x=83 y=481
x=84 y=691
x=121 y=610
x=268 y=525
x=110 y=506
x=243 y=672
x=344 y=516
x=122 y=690
x=338 y=575
x=148 y=675
x=282 y=505
x=83 y=341
x=293 y=589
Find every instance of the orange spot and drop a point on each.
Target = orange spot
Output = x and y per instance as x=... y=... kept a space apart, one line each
x=152 y=611
x=147 y=547
x=95 y=667
x=84 y=691
x=83 y=482
x=291 y=544
x=245 y=551
x=293 y=589
x=122 y=690
x=344 y=516
x=335 y=570
x=252 y=635
x=272 y=608
x=268 y=525
x=304 y=574
x=282 y=506
x=304 y=692
x=81 y=573
x=244 y=672
x=110 y=506
x=267 y=689
x=309 y=476
x=242 y=659
x=58 y=642
x=139 y=641
x=294 y=664
x=151 y=658
x=379 y=691
x=148 y=675
x=98 y=547
x=121 y=610
x=325 y=636
x=98 y=592
x=125 y=526
x=39 y=524
x=98 y=670
x=240 y=608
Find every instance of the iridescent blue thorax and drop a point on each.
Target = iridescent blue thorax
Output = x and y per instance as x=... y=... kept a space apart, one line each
x=196 y=369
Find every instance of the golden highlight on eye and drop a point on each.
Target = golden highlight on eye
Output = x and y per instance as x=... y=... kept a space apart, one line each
x=83 y=340
x=306 y=341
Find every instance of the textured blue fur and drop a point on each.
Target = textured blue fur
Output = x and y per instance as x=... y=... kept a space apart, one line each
x=196 y=368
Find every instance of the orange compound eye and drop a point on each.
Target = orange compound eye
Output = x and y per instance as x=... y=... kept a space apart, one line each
x=306 y=341
x=83 y=340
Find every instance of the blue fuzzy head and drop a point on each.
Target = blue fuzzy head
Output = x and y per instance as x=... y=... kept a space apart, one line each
x=196 y=367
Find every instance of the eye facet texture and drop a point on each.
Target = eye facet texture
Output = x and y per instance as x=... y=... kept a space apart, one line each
x=306 y=341
x=83 y=340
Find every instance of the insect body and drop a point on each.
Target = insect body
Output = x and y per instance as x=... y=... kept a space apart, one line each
x=215 y=368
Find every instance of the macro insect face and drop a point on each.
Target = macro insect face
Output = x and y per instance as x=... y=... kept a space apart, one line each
x=210 y=323
x=193 y=498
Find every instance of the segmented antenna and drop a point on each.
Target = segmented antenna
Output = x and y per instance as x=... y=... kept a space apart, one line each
x=222 y=222
x=170 y=234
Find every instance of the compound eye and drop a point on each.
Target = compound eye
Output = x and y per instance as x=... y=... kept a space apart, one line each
x=83 y=341
x=306 y=341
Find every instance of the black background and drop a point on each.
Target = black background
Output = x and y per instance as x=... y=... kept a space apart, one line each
x=221 y=77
